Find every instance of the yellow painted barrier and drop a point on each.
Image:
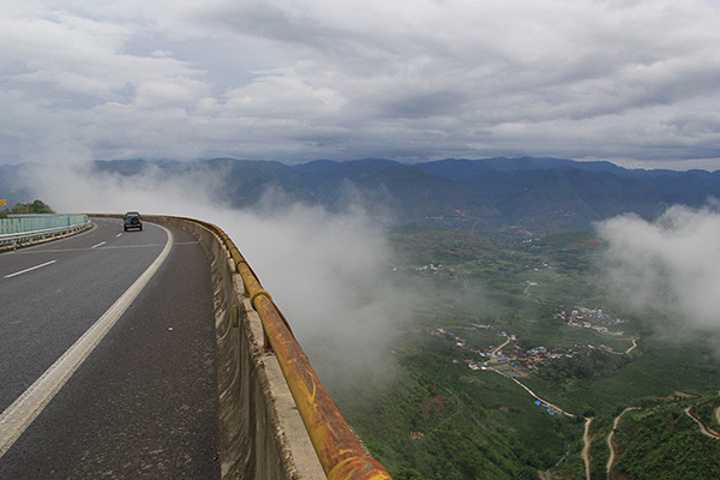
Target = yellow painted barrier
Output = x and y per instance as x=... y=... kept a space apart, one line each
x=338 y=448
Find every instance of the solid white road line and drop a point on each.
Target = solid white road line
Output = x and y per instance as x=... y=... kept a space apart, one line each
x=98 y=245
x=30 y=269
x=28 y=406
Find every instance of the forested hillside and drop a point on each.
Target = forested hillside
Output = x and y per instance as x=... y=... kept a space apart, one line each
x=520 y=196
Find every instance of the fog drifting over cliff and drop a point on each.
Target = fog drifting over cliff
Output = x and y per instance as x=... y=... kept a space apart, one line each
x=670 y=263
x=327 y=272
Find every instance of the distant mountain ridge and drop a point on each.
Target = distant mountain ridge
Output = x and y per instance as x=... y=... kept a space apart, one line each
x=527 y=194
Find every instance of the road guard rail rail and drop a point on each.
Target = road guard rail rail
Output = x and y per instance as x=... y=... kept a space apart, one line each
x=23 y=230
x=259 y=438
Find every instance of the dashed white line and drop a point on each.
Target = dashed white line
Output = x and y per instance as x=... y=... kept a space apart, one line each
x=23 y=411
x=118 y=235
x=30 y=269
x=98 y=245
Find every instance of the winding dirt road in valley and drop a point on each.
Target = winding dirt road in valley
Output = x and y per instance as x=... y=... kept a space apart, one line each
x=610 y=443
x=702 y=428
x=586 y=449
x=634 y=345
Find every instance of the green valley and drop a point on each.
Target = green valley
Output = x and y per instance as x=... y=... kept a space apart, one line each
x=516 y=344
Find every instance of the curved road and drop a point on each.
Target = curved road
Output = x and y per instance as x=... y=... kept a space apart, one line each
x=611 y=443
x=73 y=283
x=144 y=402
x=701 y=426
x=587 y=441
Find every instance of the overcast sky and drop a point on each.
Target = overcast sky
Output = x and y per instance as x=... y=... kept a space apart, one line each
x=636 y=82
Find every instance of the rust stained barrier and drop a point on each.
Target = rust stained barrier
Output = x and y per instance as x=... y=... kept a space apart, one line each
x=337 y=447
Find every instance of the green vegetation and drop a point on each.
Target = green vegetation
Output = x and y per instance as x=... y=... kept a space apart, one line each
x=455 y=411
x=429 y=425
x=596 y=364
x=37 y=206
x=663 y=443
x=706 y=411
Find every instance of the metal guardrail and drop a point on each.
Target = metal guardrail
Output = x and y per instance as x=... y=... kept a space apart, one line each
x=338 y=448
x=21 y=230
x=15 y=224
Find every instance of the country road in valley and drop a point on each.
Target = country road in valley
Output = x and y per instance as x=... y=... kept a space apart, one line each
x=702 y=428
x=610 y=444
x=586 y=448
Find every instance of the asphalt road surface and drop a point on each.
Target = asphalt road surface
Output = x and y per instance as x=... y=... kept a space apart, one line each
x=143 y=403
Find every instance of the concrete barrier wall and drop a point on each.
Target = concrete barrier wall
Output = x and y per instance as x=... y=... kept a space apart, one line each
x=261 y=433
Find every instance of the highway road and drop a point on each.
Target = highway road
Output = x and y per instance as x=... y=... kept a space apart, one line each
x=143 y=402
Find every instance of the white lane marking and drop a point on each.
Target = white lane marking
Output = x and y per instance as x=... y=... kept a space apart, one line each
x=118 y=235
x=113 y=247
x=28 y=406
x=98 y=245
x=30 y=269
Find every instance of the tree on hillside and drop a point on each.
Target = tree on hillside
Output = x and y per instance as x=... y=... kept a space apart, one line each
x=38 y=206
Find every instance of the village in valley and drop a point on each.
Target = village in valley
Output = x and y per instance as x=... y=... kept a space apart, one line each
x=595 y=319
x=520 y=362
x=509 y=359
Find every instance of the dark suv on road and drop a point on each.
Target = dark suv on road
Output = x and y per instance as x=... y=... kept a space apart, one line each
x=132 y=220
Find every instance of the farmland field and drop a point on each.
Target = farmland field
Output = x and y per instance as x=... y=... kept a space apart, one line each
x=461 y=408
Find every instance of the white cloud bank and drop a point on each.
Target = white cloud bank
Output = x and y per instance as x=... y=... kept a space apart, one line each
x=634 y=81
x=327 y=272
x=672 y=263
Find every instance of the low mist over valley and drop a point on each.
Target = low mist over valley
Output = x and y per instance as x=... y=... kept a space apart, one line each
x=328 y=220
x=457 y=304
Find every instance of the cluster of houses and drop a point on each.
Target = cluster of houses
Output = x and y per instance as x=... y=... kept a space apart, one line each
x=507 y=357
x=551 y=409
x=516 y=362
x=431 y=268
x=593 y=318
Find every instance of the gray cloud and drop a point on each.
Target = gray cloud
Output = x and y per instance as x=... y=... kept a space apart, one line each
x=696 y=125
x=669 y=265
x=301 y=80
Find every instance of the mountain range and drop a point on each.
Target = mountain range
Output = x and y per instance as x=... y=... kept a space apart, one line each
x=532 y=195
x=525 y=195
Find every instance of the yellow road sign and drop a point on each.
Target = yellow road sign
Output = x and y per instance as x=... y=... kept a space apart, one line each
x=3 y=202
